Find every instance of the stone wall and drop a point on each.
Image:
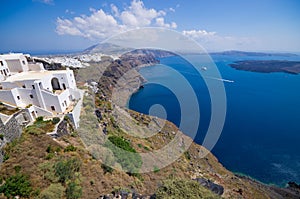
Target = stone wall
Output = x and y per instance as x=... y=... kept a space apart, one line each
x=12 y=129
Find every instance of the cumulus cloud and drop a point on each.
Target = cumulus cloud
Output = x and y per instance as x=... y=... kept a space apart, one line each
x=160 y=21
x=99 y=24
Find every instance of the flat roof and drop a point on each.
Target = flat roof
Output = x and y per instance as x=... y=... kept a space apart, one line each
x=11 y=56
x=32 y=75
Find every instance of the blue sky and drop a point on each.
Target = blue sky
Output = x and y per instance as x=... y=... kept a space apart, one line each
x=63 y=25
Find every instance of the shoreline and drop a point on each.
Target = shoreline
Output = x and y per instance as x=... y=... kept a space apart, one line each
x=236 y=173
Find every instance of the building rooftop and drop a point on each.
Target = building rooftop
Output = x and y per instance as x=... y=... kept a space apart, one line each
x=11 y=56
x=32 y=75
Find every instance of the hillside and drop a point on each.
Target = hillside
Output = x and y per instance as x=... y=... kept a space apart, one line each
x=71 y=167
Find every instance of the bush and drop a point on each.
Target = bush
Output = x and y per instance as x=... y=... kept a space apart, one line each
x=73 y=191
x=54 y=191
x=124 y=154
x=55 y=120
x=106 y=169
x=39 y=119
x=179 y=188
x=65 y=169
x=17 y=185
x=70 y=148
x=156 y=169
x=1 y=136
x=40 y=127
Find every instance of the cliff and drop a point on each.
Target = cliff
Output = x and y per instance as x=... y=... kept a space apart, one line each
x=70 y=166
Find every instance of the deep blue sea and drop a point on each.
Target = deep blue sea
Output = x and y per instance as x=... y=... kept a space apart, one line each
x=261 y=134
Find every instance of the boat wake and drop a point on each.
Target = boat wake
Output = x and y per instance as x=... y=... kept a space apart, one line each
x=220 y=79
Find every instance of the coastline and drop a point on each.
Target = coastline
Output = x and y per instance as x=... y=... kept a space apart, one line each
x=242 y=175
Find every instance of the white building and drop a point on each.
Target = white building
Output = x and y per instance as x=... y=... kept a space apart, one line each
x=43 y=92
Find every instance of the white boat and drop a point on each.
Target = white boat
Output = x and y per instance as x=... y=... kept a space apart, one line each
x=204 y=68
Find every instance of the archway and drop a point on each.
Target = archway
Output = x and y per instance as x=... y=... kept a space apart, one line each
x=55 y=84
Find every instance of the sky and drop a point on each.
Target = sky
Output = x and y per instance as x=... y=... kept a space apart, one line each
x=72 y=25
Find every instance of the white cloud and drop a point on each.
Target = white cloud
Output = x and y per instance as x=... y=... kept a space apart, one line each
x=172 y=9
x=115 y=10
x=137 y=15
x=100 y=25
x=67 y=11
x=97 y=25
x=196 y=34
x=160 y=21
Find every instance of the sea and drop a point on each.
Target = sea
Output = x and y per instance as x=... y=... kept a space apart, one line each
x=261 y=134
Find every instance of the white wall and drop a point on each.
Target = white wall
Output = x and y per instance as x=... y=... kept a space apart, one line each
x=17 y=65
x=25 y=96
x=35 y=67
x=56 y=101
x=75 y=114
x=7 y=97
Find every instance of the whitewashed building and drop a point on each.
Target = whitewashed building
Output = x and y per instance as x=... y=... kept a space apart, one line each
x=43 y=92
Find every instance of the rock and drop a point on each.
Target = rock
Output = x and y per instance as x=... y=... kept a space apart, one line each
x=217 y=189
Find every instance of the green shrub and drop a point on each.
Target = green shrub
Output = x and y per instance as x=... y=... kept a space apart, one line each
x=106 y=169
x=28 y=106
x=17 y=168
x=17 y=185
x=156 y=169
x=65 y=169
x=179 y=188
x=49 y=156
x=54 y=191
x=1 y=136
x=55 y=120
x=39 y=119
x=70 y=148
x=187 y=155
x=124 y=154
x=6 y=157
x=73 y=191
x=40 y=127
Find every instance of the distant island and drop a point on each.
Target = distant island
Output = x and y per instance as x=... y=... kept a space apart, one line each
x=243 y=53
x=268 y=66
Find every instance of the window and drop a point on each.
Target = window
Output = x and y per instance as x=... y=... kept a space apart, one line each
x=18 y=97
x=31 y=96
x=62 y=104
x=33 y=87
x=24 y=86
x=23 y=62
x=52 y=108
x=1 y=63
x=1 y=72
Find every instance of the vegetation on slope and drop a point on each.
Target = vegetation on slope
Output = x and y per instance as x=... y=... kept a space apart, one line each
x=48 y=162
x=180 y=188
